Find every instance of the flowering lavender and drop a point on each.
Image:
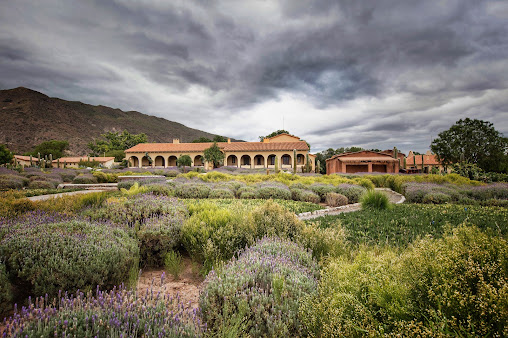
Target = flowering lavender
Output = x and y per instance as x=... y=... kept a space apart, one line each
x=353 y=192
x=117 y=313
x=436 y=193
x=263 y=287
x=267 y=190
x=47 y=252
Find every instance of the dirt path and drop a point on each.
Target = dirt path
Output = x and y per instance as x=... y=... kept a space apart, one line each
x=186 y=287
x=393 y=196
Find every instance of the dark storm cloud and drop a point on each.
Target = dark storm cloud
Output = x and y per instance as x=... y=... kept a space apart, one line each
x=404 y=67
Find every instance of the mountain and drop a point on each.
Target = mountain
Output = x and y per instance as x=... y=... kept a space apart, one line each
x=29 y=118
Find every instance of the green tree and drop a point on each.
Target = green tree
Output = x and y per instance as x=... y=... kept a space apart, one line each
x=214 y=155
x=275 y=133
x=119 y=155
x=5 y=155
x=202 y=139
x=115 y=141
x=219 y=138
x=184 y=161
x=477 y=141
x=53 y=147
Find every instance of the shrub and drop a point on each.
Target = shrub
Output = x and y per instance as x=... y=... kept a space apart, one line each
x=323 y=242
x=221 y=193
x=42 y=185
x=305 y=196
x=357 y=297
x=160 y=189
x=247 y=192
x=50 y=252
x=133 y=212
x=66 y=175
x=193 y=190
x=262 y=288
x=171 y=173
x=272 y=190
x=159 y=235
x=436 y=198
x=173 y=263
x=103 y=177
x=115 y=313
x=271 y=219
x=15 y=207
x=12 y=182
x=335 y=200
x=5 y=290
x=461 y=281
x=322 y=190
x=351 y=191
x=375 y=200
x=84 y=179
x=126 y=184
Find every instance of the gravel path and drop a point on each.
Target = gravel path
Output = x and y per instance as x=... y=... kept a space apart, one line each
x=47 y=197
x=393 y=196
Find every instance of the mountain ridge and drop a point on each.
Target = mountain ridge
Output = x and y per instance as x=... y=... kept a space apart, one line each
x=31 y=117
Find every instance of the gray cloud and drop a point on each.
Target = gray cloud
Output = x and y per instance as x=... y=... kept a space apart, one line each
x=349 y=72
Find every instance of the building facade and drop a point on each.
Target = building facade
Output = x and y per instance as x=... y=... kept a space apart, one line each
x=252 y=155
x=73 y=162
x=364 y=161
x=425 y=163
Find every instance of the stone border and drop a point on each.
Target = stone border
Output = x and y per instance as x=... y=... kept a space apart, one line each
x=92 y=186
x=346 y=208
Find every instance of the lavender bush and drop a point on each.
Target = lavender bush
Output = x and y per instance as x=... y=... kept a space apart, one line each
x=117 y=313
x=221 y=193
x=353 y=192
x=5 y=290
x=305 y=196
x=272 y=190
x=47 y=252
x=322 y=189
x=84 y=179
x=193 y=190
x=8 y=181
x=464 y=194
x=162 y=234
x=133 y=212
x=260 y=291
x=247 y=192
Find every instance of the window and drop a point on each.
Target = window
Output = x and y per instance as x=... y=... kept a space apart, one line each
x=286 y=159
x=233 y=159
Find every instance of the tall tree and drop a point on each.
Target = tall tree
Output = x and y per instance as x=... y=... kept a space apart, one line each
x=219 y=138
x=184 y=161
x=111 y=143
x=202 y=139
x=55 y=148
x=5 y=155
x=275 y=133
x=476 y=141
x=214 y=155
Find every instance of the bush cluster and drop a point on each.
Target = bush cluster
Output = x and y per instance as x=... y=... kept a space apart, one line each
x=5 y=290
x=115 y=313
x=453 y=285
x=259 y=293
x=159 y=235
x=448 y=193
x=273 y=190
x=192 y=190
x=397 y=182
x=47 y=252
x=335 y=200
x=375 y=200
x=12 y=182
x=212 y=234
x=84 y=179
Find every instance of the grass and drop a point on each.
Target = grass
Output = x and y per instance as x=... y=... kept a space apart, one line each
x=406 y=222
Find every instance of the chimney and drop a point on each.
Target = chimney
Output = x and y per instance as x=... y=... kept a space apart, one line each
x=176 y=140
x=428 y=152
x=229 y=140
x=266 y=140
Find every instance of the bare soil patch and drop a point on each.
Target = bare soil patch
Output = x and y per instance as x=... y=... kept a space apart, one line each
x=186 y=287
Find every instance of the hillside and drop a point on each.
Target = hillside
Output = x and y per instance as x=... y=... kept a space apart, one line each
x=29 y=118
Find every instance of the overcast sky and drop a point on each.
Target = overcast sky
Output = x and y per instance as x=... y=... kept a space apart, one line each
x=337 y=73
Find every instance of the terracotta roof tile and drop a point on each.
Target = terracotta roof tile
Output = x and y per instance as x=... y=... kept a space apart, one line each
x=368 y=159
x=26 y=158
x=228 y=147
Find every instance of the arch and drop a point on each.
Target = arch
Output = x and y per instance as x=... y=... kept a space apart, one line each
x=300 y=159
x=232 y=161
x=198 y=160
x=286 y=160
x=172 y=161
x=159 y=161
x=271 y=159
x=134 y=161
x=259 y=160
x=245 y=160
x=145 y=162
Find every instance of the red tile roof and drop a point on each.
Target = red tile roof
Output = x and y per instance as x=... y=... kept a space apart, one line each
x=427 y=159
x=26 y=158
x=227 y=147
x=368 y=159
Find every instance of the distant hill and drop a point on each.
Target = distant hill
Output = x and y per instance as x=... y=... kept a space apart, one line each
x=29 y=118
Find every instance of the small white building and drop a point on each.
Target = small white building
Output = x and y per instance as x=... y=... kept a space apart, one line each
x=73 y=162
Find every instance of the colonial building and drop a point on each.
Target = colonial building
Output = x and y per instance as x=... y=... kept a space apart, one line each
x=362 y=161
x=73 y=162
x=425 y=163
x=24 y=161
x=236 y=154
